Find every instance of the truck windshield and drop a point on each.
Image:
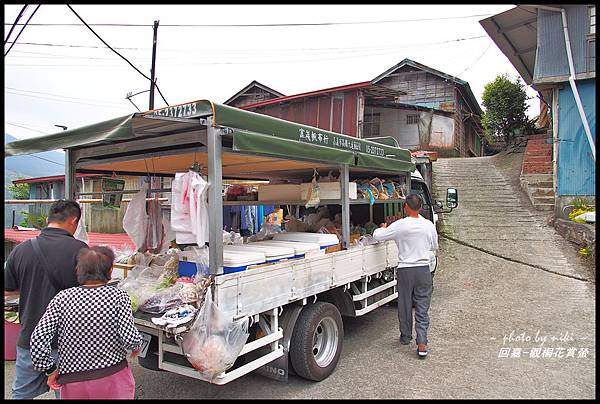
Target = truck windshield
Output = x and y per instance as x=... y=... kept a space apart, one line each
x=420 y=189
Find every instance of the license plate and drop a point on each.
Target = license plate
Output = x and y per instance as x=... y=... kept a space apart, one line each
x=145 y=344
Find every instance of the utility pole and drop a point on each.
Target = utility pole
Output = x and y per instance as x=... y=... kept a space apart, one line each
x=152 y=71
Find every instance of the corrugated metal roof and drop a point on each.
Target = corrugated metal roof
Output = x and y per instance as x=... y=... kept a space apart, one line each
x=115 y=241
x=515 y=33
x=257 y=84
x=309 y=94
x=51 y=178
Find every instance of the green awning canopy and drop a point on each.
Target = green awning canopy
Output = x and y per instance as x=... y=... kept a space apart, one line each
x=274 y=146
x=114 y=129
x=252 y=133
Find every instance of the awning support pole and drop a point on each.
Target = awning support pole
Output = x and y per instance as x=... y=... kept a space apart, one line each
x=69 y=175
x=215 y=199
x=345 y=197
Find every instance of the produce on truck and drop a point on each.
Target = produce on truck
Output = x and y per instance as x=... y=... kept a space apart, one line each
x=264 y=243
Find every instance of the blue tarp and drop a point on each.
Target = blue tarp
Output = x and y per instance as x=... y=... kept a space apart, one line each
x=576 y=166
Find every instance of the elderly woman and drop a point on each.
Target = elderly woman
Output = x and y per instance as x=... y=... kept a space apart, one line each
x=94 y=325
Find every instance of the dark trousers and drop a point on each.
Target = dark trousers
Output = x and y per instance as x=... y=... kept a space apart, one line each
x=415 y=284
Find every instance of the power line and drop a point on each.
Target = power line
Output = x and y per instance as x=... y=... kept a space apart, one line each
x=123 y=57
x=25 y=127
x=257 y=50
x=269 y=25
x=59 y=100
x=61 y=96
x=22 y=29
x=476 y=60
x=76 y=46
x=41 y=158
x=262 y=60
x=16 y=21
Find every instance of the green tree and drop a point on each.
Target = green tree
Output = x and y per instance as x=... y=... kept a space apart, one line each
x=505 y=107
x=19 y=191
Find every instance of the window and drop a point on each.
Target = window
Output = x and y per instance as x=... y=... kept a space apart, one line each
x=412 y=119
x=591 y=55
x=593 y=20
x=371 y=124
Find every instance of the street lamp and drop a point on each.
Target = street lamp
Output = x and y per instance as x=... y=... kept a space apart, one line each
x=61 y=126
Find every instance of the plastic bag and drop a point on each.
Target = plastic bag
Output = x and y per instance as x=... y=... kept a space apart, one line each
x=313 y=194
x=202 y=261
x=135 y=221
x=81 y=232
x=214 y=341
x=163 y=300
x=266 y=232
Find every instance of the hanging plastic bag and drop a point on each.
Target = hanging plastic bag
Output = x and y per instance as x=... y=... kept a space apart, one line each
x=81 y=232
x=135 y=221
x=214 y=342
x=313 y=193
x=202 y=261
x=163 y=300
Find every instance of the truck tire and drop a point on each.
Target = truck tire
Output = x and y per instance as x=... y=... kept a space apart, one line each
x=316 y=343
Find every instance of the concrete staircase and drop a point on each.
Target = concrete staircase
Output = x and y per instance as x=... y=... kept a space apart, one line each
x=536 y=174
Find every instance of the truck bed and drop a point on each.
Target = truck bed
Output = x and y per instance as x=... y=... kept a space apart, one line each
x=257 y=290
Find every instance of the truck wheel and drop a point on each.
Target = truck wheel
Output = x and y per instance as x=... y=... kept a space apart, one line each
x=316 y=343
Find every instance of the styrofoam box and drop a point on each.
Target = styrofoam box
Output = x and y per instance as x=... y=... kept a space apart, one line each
x=278 y=192
x=235 y=261
x=329 y=190
x=271 y=252
x=324 y=240
x=301 y=250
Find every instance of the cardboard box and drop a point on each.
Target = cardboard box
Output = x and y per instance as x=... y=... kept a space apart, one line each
x=329 y=190
x=279 y=192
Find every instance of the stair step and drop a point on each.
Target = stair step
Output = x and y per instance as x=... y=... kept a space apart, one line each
x=544 y=206
x=542 y=192
x=537 y=200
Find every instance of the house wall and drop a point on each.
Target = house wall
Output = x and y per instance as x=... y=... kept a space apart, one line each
x=394 y=123
x=252 y=96
x=423 y=88
x=551 y=59
x=336 y=111
x=576 y=166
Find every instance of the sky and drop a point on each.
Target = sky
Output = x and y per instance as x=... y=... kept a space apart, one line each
x=64 y=75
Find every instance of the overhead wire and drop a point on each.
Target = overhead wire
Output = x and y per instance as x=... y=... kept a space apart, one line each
x=67 y=101
x=122 y=57
x=61 y=96
x=22 y=29
x=476 y=60
x=263 y=60
x=25 y=127
x=15 y=23
x=272 y=25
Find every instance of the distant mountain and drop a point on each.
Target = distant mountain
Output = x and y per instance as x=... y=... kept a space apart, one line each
x=35 y=165
x=29 y=166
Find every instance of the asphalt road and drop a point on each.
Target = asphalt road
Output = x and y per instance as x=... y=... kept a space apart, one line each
x=473 y=308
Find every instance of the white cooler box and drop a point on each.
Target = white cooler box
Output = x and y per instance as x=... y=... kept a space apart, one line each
x=236 y=261
x=324 y=240
x=329 y=190
x=272 y=253
x=301 y=250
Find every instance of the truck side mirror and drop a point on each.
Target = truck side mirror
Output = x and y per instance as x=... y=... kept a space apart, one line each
x=452 y=198
x=438 y=206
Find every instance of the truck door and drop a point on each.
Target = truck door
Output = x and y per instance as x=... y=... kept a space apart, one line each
x=420 y=188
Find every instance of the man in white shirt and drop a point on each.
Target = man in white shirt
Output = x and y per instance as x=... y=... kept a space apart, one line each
x=417 y=242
